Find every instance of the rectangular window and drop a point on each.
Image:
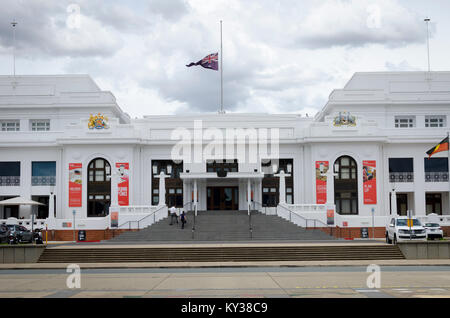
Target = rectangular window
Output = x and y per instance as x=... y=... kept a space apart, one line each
x=43 y=173
x=40 y=125
x=10 y=125
x=436 y=169
x=10 y=173
x=401 y=170
x=405 y=121
x=435 y=121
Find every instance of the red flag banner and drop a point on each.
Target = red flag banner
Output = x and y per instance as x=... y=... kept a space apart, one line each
x=75 y=184
x=321 y=182
x=370 y=181
x=123 y=183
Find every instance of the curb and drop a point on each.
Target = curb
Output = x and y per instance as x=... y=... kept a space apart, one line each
x=227 y=264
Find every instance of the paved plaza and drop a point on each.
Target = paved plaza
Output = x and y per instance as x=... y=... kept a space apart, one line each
x=233 y=282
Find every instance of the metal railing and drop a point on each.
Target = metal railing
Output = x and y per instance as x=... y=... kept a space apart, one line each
x=139 y=221
x=436 y=176
x=401 y=177
x=190 y=204
x=293 y=215
x=43 y=181
x=12 y=181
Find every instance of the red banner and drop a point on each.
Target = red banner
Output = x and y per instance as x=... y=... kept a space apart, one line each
x=370 y=181
x=123 y=183
x=75 y=184
x=321 y=182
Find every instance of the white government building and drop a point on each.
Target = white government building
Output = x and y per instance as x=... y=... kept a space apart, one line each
x=66 y=143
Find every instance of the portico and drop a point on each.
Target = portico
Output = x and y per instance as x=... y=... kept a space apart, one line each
x=229 y=191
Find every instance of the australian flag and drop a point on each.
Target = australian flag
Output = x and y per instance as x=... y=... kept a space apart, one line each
x=211 y=61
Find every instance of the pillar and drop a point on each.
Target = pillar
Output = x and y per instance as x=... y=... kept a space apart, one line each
x=282 y=189
x=162 y=188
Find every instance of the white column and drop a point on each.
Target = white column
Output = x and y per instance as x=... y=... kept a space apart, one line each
x=114 y=192
x=162 y=188
x=282 y=189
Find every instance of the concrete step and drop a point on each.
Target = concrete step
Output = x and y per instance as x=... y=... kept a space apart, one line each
x=216 y=254
x=224 y=226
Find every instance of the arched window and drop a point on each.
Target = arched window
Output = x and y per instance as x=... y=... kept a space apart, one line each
x=346 y=185
x=99 y=188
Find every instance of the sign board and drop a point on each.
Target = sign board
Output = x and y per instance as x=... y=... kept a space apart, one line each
x=67 y=224
x=345 y=223
x=123 y=183
x=364 y=232
x=370 y=181
x=330 y=217
x=114 y=219
x=75 y=184
x=321 y=181
x=82 y=235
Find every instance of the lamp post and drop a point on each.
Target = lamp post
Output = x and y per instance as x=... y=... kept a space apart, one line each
x=74 y=212
x=393 y=201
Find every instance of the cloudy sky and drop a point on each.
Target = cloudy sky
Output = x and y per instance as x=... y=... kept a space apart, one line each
x=280 y=56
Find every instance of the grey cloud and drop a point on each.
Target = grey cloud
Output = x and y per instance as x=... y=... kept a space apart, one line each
x=171 y=10
x=42 y=31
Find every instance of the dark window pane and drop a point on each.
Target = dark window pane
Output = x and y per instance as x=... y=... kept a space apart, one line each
x=436 y=165
x=10 y=169
x=43 y=168
x=401 y=165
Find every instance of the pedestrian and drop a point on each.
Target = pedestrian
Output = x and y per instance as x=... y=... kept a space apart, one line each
x=173 y=214
x=183 y=219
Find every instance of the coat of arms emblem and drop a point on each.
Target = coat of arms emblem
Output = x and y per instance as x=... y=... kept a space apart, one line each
x=344 y=119
x=98 y=122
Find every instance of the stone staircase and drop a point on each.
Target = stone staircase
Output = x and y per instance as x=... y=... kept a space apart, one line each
x=221 y=254
x=224 y=226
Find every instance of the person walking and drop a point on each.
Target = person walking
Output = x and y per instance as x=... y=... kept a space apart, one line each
x=173 y=214
x=183 y=219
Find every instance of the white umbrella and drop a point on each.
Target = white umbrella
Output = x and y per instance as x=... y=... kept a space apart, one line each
x=19 y=201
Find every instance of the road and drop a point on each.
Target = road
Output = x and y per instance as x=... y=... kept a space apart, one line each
x=284 y=282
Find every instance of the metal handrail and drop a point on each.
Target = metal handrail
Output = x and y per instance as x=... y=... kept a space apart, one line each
x=305 y=219
x=154 y=216
x=138 y=221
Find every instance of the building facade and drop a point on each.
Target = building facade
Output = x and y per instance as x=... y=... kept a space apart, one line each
x=66 y=143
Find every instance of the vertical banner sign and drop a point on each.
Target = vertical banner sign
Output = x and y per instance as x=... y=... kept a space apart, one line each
x=123 y=183
x=321 y=182
x=330 y=217
x=114 y=219
x=75 y=185
x=370 y=182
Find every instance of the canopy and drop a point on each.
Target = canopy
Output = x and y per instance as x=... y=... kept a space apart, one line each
x=19 y=201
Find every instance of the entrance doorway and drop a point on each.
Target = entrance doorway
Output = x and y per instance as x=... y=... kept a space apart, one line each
x=223 y=198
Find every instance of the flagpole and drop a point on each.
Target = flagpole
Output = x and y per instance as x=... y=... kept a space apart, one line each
x=427 y=20
x=221 y=70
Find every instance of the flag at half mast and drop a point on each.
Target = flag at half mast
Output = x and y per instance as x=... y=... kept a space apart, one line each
x=442 y=146
x=211 y=61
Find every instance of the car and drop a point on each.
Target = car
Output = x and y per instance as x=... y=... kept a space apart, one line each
x=4 y=234
x=21 y=233
x=402 y=229
x=434 y=230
